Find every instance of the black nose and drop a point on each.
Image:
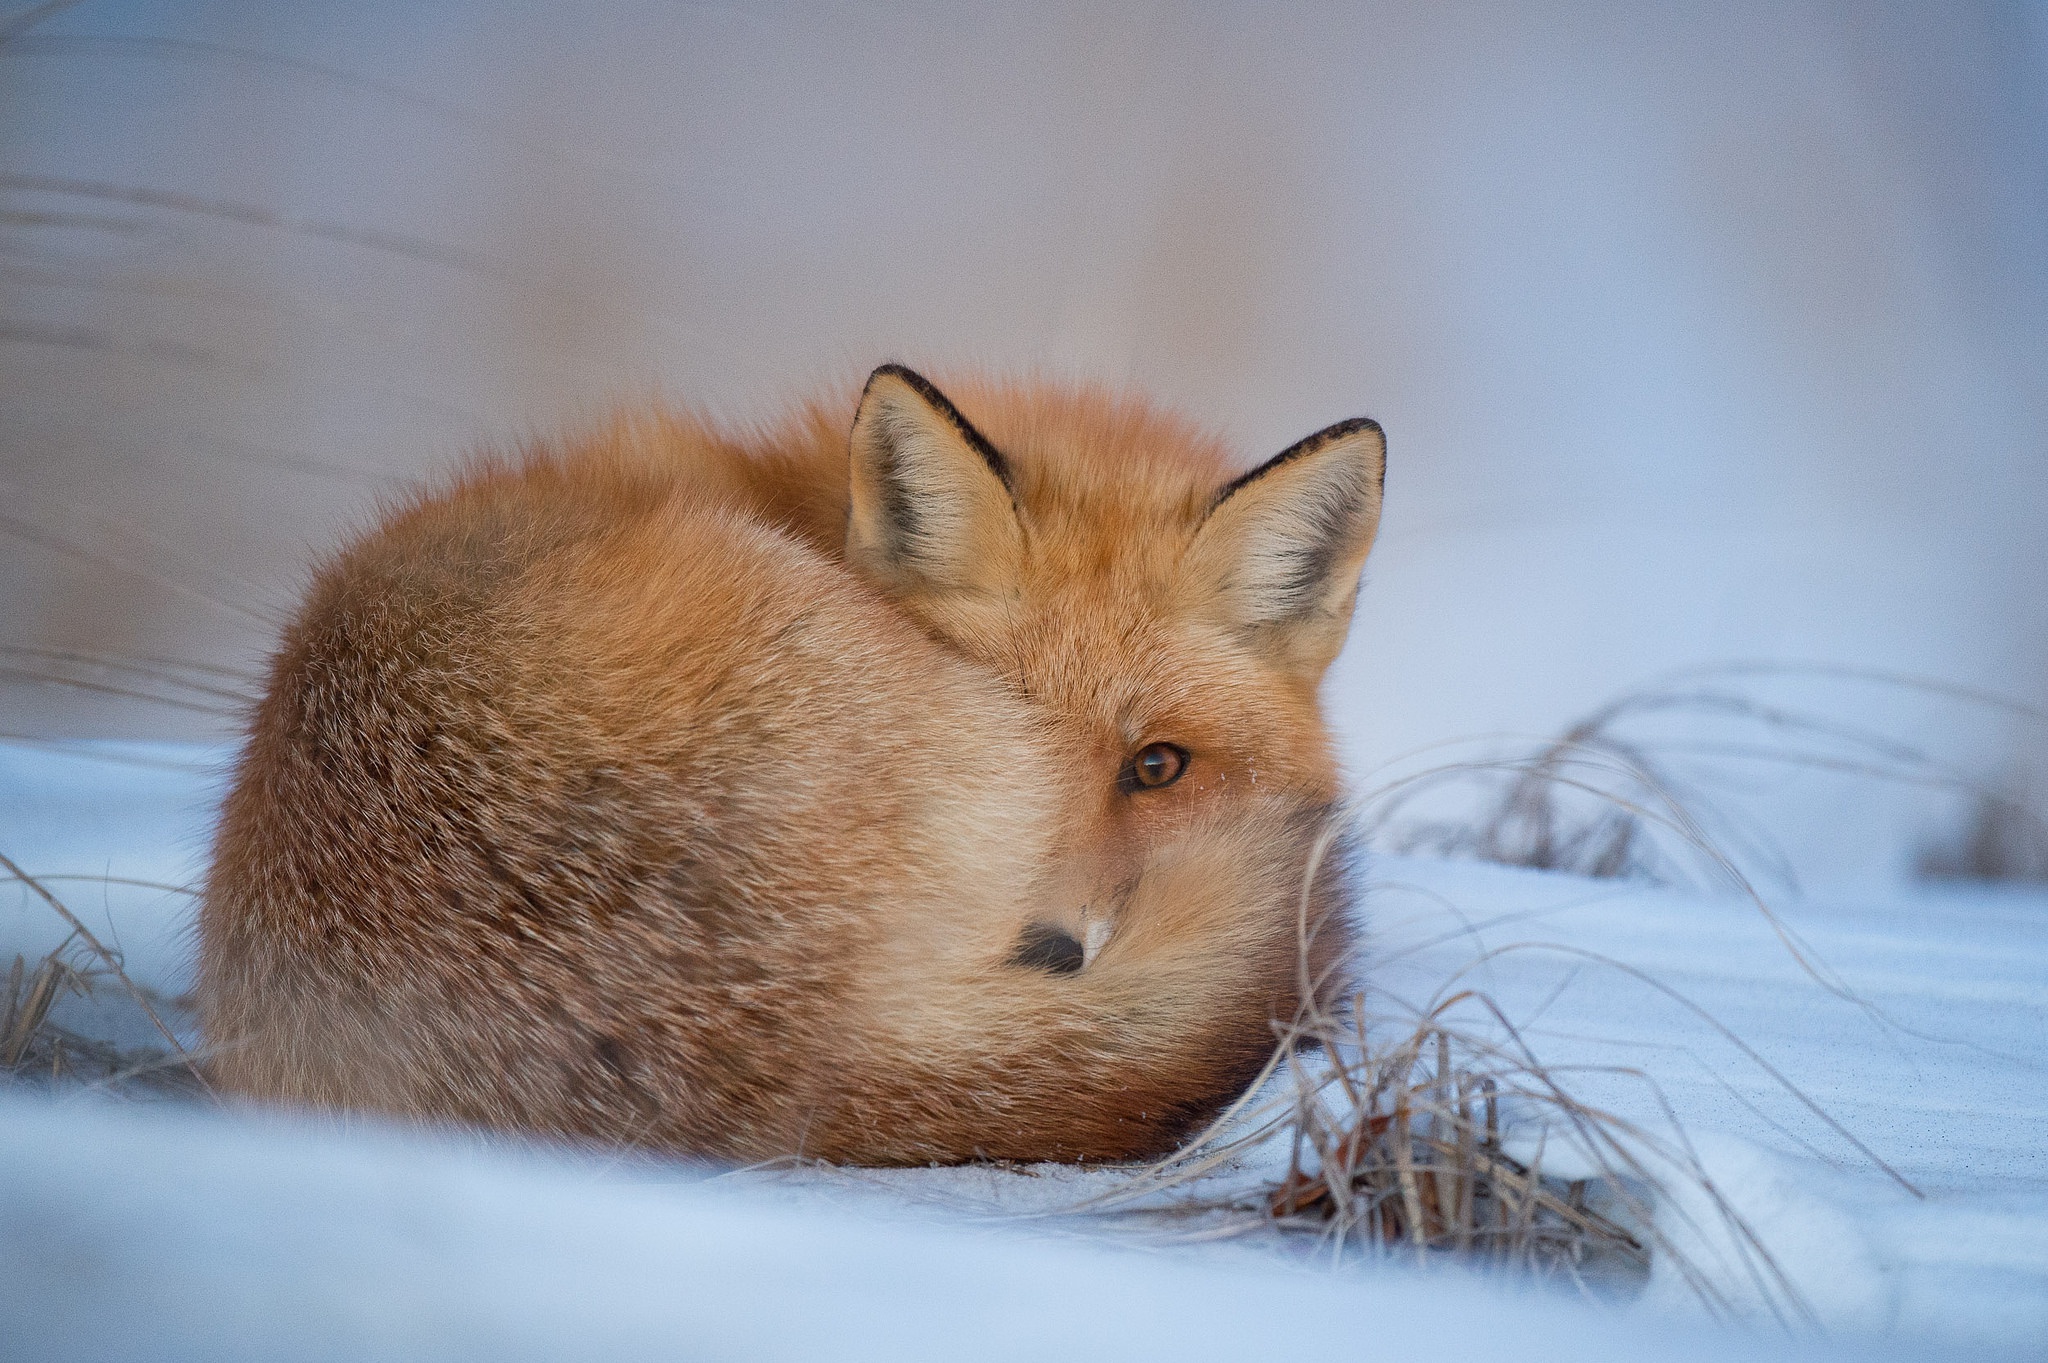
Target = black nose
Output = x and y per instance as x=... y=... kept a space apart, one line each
x=1046 y=947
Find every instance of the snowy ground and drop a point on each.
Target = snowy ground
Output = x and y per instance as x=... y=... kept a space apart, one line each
x=131 y=1231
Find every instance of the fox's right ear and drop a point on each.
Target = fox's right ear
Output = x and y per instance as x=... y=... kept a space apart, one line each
x=931 y=511
x=1278 y=557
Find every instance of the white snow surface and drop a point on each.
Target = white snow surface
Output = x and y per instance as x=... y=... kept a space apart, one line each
x=1918 y=1023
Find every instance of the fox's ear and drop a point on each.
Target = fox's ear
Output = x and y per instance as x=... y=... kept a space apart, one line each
x=931 y=508
x=1279 y=554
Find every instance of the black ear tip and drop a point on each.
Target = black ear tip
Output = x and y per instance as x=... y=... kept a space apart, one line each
x=1366 y=423
x=1321 y=440
x=943 y=405
x=1357 y=425
x=923 y=386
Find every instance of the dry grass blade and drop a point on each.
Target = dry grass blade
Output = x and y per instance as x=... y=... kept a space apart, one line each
x=34 y=533
x=35 y=678
x=201 y=679
x=1749 y=1052
x=253 y=215
x=28 y=1008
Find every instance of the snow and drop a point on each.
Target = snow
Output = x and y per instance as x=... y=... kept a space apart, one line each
x=1921 y=1029
x=124 y=1236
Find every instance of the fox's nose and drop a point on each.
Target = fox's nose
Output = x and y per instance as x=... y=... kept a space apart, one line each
x=1051 y=948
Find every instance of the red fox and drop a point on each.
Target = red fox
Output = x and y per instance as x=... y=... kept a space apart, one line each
x=941 y=791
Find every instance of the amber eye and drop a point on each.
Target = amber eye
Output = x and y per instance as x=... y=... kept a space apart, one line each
x=1153 y=766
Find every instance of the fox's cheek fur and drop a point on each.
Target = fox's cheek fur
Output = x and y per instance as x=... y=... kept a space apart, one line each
x=766 y=796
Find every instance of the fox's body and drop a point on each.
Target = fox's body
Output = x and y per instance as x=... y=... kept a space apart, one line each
x=796 y=794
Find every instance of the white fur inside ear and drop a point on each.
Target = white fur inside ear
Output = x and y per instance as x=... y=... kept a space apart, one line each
x=1288 y=543
x=927 y=505
x=922 y=507
x=1293 y=543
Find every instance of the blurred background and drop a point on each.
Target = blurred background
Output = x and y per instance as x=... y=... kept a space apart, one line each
x=1703 y=334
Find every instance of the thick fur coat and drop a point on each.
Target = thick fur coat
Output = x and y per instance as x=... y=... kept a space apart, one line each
x=941 y=790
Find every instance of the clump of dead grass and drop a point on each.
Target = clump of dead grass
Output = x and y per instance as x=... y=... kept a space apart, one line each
x=35 y=1046
x=1401 y=1147
x=1445 y=1145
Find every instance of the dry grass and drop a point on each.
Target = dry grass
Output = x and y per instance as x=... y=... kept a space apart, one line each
x=1437 y=1137
x=1624 y=791
x=173 y=684
x=35 y=1048
x=1443 y=1144
x=1402 y=1147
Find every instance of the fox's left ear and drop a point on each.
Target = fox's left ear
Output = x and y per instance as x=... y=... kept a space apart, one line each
x=931 y=517
x=1279 y=554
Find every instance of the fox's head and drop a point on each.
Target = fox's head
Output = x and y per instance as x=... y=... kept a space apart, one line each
x=1173 y=621
x=1168 y=619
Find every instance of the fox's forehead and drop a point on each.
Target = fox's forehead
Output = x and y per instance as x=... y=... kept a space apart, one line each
x=1087 y=461
x=1118 y=644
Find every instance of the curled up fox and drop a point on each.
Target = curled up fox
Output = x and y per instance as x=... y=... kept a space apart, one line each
x=917 y=780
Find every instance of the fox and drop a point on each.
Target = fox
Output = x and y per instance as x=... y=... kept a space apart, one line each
x=948 y=784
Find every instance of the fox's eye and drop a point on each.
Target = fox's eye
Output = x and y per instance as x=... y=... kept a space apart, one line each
x=1153 y=766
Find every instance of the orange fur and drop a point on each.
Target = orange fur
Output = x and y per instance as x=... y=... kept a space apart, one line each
x=698 y=791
